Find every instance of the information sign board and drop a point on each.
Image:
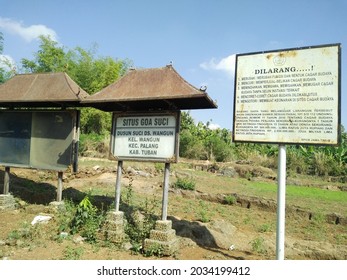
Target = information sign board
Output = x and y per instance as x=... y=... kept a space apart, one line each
x=288 y=96
x=145 y=136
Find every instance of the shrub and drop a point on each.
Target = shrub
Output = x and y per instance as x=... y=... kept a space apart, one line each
x=73 y=253
x=296 y=161
x=154 y=250
x=87 y=221
x=265 y=228
x=185 y=184
x=204 y=214
x=230 y=199
x=258 y=245
x=140 y=218
x=220 y=150
x=95 y=121
x=94 y=145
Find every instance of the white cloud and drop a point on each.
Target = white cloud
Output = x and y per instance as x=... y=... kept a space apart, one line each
x=29 y=33
x=226 y=64
x=213 y=126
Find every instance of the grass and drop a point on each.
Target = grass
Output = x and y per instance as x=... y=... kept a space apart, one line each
x=317 y=199
x=71 y=253
x=317 y=194
x=307 y=197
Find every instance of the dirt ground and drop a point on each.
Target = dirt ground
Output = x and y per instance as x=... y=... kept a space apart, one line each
x=246 y=234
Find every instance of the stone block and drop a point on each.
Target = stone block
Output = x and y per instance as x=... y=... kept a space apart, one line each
x=164 y=248
x=58 y=206
x=165 y=236
x=163 y=225
x=114 y=227
x=162 y=239
x=117 y=236
x=115 y=216
x=7 y=202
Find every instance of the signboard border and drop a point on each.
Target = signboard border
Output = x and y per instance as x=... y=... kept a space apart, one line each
x=115 y=115
x=338 y=45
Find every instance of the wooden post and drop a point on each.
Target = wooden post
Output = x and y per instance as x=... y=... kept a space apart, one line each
x=7 y=180
x=118 y=184
x=165 y=192
x=60 y=186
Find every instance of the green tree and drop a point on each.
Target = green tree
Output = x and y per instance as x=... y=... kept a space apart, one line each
x=49 y=58
x=1 y=43
x=6 y=68
x=2 y=79
x=198 y=141
x=93 y=74
x=187 y=121
x=90 y=72
x=220 y=147
x=95 y=121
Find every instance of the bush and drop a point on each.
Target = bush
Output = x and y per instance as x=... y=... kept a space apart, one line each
x=94 y=145
x=95 y=121
x=185 y=184
x=141 y=219
x=221 y=151
x=230 y=199
x=203 y=212
x=87 y=221
x=296 y=162
x=258 y=245
x=192 y=147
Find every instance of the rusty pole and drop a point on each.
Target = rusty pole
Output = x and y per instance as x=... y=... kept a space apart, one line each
x=165 y=192
x=118 y=184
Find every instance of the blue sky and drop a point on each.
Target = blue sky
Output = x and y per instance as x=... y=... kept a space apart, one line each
x=200 y=37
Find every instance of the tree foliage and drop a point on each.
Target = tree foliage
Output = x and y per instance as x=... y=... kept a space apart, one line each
x=5 y=65
x=1 y=43
x=94 y=74
x=49 y=58
x=1 y=49
x=90 y=72
x=198 y=141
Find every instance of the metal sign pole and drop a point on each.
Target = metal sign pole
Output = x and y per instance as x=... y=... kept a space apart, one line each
x=165 y=192
x=118 y=183
x=60 y=186
x=281 y=202
x=7 y=180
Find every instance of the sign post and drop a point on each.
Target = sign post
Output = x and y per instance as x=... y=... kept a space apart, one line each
x=165 y=199
x=6 y=180
x=145 y=137
x=118 y=184
x=281 y=202
x=289 y=96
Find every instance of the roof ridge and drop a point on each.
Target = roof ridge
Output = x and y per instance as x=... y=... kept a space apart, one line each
x=183 y=79
x=67 y=77
x=31 y=84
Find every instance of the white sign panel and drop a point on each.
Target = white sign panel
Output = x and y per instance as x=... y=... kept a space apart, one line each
x=288 y=96
x=145 y=137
